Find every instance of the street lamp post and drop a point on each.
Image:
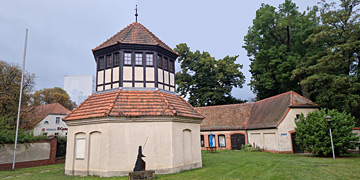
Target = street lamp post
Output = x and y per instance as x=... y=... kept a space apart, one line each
x=329 y=119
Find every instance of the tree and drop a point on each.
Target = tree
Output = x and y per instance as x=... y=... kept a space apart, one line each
x=275 y=44
x=10 y=81
x=331 y=74
x=52 y=95
x=205 y=80
x=312 y=132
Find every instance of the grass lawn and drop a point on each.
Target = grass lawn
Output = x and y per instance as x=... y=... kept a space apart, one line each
x=232 y=165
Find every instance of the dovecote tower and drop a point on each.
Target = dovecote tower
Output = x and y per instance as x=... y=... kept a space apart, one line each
x=134 y=57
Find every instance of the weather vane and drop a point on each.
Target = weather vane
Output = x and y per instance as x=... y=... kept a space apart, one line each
x=136 y=14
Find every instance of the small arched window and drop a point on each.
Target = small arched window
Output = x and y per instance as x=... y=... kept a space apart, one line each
x=46 y=122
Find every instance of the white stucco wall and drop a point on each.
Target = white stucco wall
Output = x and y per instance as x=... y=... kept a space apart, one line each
x=28 y=152
x=117 y=141
x=278 y=139
x=52 y=127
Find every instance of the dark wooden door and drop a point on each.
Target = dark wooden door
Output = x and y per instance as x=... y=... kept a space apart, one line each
x=296 y=147
x=237 y=140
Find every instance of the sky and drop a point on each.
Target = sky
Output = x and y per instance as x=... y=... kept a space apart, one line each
x=62 y=33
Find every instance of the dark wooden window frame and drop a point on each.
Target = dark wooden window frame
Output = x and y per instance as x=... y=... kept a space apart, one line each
x=224 y=140
x=101 y=63
x=108 y=61
x=148 y=60
x=137 y=61
x=126 y=61
x=116 y=59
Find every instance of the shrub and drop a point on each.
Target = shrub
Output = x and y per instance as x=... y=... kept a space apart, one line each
x=250 y=148
x=312 y=132
x=61 y=146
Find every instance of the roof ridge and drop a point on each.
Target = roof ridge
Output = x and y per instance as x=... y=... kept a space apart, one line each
x=149 y=33
x=190 y=106
x=167 y=103
x=77 y=107
x=123 y=37
x=274 y=96
x=113 y=102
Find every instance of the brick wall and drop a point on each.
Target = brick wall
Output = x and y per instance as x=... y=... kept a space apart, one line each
x=50 y=160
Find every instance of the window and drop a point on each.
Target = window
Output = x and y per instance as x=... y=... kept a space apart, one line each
x=44 y=134
x=202 y=140
x=127 y=58
x=213 y=141
x=108 y=61
x=160 y=61
x=171 y=66
x=297 y=116
x=65 y=134
x=80 y=148
x=101 y=63
x=165 y=64
x=149 y=59
x=138 y=59
x=56 y=134
x=46 y=122
x=116 y=59
x=222 y=140
x=57 y=120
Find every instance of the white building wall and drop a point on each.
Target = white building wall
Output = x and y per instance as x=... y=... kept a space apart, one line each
x=51 y=128
x=80 y=87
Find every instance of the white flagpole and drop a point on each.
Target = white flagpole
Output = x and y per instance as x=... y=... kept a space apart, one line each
x=21 y=87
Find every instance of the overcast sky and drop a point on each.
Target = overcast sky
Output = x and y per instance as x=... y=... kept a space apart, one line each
x=62 y=33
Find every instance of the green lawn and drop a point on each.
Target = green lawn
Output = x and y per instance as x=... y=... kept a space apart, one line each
x=233 y=165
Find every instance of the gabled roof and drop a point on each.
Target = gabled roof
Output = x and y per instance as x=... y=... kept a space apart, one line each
x=134 y=33
x=125 y=103
x=266 y=113
x=31 y=116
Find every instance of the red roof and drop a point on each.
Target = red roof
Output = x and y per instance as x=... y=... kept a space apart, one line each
x=124 y=103
x=266 y=113
x=31 y=116
x=134 y=33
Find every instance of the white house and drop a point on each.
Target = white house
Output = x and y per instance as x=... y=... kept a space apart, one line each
x=45 y=119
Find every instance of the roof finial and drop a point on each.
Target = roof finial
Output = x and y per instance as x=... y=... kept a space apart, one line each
x=136 y=14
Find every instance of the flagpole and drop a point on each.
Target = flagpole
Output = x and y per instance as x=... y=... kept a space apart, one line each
x=21 y=88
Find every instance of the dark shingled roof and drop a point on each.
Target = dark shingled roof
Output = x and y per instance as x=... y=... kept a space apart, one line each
x=124 y=103
x=134 y=33
x=31 y=116
x=266 y=113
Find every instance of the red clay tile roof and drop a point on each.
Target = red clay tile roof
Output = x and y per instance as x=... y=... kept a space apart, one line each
x=266 y=113
x=134 y=33
x=30 y=117
x=122 y=103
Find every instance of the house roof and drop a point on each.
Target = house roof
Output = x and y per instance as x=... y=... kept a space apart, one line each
x=31 y=116
x=266 y=113
x=127 y=103
x=134 y=33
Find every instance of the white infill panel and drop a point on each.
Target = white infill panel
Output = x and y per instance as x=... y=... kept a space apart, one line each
x=127 y=74
x=139 y=84
x=150 y=85
x=80 y=148
x=108 y=76
x=166 y=77
x=139 y=74
x=150 y=74
x=172 y=79
x=100 y=77
x=160 y=75
x=127 y=84
x=116 y=74
x=107 y=87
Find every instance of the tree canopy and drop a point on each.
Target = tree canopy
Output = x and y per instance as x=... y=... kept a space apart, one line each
x=315 y=53
x=10 y=80
x=52 y=95
x=205 y=80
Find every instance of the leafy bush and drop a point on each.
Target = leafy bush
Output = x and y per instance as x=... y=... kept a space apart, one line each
x=312 y=132
x=61 y=146
x=250 y=148
x=7 y=133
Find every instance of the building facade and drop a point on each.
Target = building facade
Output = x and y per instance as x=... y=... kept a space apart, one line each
x=45 y=120
x=135 y=105
x=268 y=124
x=79 y=87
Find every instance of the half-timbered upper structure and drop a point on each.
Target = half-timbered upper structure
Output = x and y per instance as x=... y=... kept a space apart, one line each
x=135 y=57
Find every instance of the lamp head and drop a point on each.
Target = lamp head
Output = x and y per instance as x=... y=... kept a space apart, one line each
x=328 y=119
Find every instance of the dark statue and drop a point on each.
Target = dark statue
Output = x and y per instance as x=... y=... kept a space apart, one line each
x=140 y=163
